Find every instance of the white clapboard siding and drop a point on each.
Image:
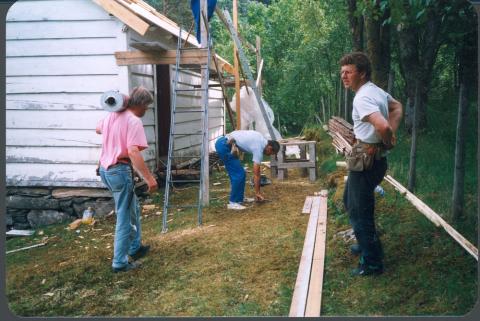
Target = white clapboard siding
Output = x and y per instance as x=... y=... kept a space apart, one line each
x=55 y=155
x=52 y=138
x=60 y=10
x=62 y=65
x=53 y=84
x=62 y=155
x=60 y=138
x=70 y=119
x=54 y=102
x=52 y=175
x=53 y=30
x=61 y=47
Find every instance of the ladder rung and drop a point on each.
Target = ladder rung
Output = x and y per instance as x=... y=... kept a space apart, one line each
x=183 y=206
x=192 y=156
x=193 y=68
x=186 y=134
x=194 y=48
x=193 y=89
x=185 y=181
x=188 y=111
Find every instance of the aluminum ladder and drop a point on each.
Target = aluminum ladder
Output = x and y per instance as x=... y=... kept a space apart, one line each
x=176 y=111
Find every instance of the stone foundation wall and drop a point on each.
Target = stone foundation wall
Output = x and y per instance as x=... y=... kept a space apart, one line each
x=30 y=208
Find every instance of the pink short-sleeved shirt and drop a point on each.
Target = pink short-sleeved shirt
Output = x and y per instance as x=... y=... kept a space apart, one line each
x=119 y=132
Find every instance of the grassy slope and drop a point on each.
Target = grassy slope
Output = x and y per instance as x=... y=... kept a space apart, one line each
x=245 y=263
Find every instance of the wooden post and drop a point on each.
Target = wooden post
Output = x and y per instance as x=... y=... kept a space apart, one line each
x=259 y=60
x=206 y=148
x=236 y=66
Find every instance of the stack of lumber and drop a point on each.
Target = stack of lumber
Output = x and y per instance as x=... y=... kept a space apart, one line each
x=342 y=134
x=307 y=295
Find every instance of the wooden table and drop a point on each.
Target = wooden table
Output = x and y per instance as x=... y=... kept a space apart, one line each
x=280 y=163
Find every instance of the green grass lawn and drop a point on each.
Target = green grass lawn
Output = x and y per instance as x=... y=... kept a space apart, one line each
x=244 y=263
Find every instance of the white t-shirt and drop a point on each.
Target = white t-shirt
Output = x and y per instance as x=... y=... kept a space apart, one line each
x=368 y=99
x=250 y=141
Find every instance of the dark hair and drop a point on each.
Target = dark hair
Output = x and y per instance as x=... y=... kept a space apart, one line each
x=275 y=145
x=140 y=96
x=361 y=62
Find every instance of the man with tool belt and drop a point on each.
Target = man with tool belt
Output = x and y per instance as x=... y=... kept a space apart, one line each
x=228 y=147
x=123 y=137
x=376 y=116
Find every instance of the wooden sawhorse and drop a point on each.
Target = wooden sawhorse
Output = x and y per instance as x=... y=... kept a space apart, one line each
x=280 y=163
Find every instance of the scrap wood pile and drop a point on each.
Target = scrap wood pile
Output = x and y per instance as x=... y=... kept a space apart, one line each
x=191 y=167
x=342 y=133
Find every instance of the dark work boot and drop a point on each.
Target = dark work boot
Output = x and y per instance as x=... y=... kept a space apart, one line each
x=141 y=252
x=364 y=270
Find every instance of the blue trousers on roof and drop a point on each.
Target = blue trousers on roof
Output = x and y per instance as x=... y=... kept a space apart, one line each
x=234 y=168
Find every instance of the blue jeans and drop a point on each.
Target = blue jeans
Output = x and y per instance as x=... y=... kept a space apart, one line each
x=127 y=240
x=359 y=200
x=234 y=169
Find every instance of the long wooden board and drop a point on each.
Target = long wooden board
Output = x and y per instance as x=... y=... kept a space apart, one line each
x=434 y=217
x=307 y=206
x=314 y=300
x=300 y=293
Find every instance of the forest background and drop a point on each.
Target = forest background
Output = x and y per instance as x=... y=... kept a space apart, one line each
x=423 y=52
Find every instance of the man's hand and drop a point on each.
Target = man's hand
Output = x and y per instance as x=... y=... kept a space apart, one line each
x=152 y=184
x=259 y=197
x=391 y=144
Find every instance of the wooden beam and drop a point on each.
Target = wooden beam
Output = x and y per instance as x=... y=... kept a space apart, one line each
x=259 y=75
x=434 y=217
x=314 y=300
x=167 y=57
x=259 y=64
x=224 y=92
x=236 y=67
x=125 y=15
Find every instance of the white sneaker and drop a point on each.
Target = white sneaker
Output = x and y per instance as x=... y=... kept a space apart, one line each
x=248 y=200
x=235 y=206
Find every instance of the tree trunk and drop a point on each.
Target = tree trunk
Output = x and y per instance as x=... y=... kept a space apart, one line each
x=413 y=147
x=356 y=25
x=378 y=45
x=419 y=47
x=459 y=171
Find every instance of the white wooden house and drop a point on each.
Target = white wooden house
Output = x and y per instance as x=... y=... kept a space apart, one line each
x=60 y=58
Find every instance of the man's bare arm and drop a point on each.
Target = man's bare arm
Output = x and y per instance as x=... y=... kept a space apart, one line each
x=256 y=181
x=395 y=112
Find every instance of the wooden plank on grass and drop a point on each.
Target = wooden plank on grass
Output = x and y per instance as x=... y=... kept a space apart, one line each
x=434 y=217
x=307 y=205
x=314 y=300
x=299 y=299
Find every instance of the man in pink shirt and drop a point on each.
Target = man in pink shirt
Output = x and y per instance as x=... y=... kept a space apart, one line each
x=123 y=138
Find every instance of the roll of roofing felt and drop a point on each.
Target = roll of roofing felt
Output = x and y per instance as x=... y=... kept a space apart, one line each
x=113 y=101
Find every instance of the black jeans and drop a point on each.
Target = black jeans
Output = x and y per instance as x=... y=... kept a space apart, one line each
x=359 y=202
